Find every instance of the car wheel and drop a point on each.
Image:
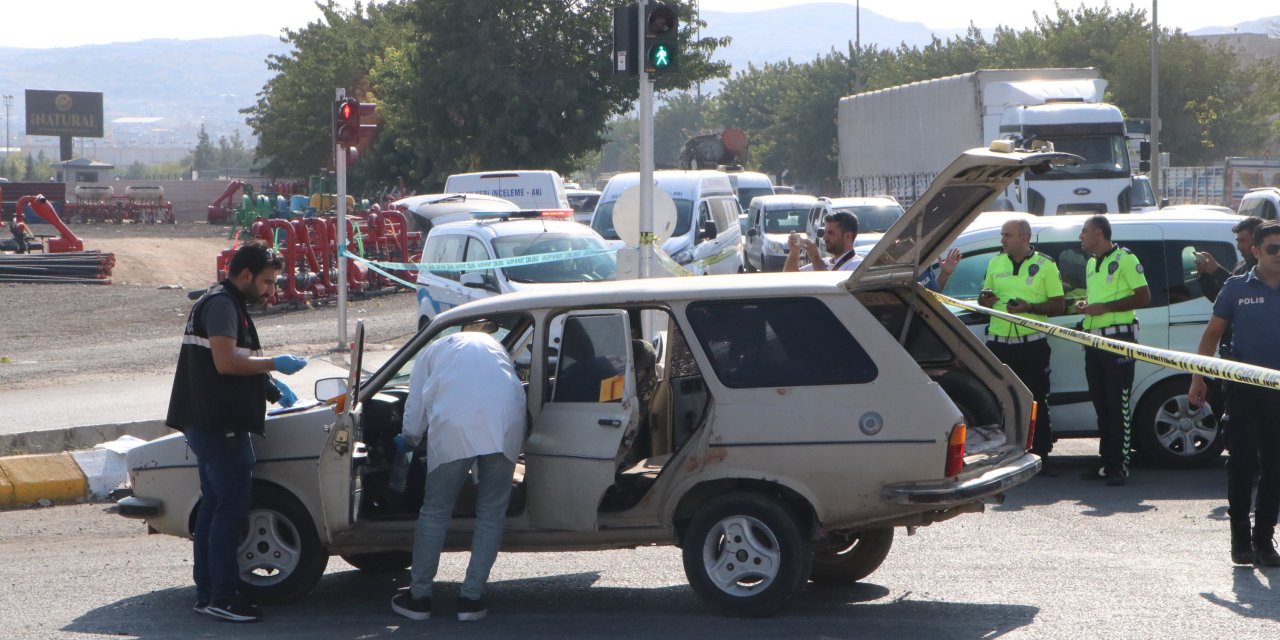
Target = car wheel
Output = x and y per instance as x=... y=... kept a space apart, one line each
x=280 y=557
x=745 y=554
x=845 y=561
x=1170 y=434
x=381 y=562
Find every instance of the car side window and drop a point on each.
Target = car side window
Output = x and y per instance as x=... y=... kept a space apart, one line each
x=966 y=281
x=1072 y=260
x=787 y=342
x=725 y=211
x=444 y=249
x=476 y=251
x=592 y=359
x=1182 y=262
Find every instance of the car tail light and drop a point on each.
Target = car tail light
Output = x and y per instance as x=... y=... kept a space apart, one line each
x=955 y=450
x=1031 y=425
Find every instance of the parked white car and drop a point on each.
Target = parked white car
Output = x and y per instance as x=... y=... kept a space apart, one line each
x=1165 y=429
x=438 y=208
x=794 y=421
x=506 y=236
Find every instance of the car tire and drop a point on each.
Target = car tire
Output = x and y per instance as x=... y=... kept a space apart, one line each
x=280 y=557
x=844 y=563
x=1170 y=435
x=746 y=554
x=380 y=562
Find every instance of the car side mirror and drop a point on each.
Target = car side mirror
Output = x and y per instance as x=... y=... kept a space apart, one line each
x=1144 y=151
x=753 y=232
x=330 y=389
x=1144 y=166
x=477 y=280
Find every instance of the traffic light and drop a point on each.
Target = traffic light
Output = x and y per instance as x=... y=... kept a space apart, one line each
x=659 y=53
x=354 y=122
x=661 y=38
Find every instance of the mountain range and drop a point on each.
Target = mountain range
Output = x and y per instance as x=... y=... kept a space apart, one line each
x=159 y=92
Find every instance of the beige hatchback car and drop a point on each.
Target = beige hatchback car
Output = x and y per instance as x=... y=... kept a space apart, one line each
x=789 y=424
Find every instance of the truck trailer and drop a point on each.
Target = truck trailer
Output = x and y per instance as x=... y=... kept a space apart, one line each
x=894 y=141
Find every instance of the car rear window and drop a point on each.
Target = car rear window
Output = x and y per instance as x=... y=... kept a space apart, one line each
x=778 y=342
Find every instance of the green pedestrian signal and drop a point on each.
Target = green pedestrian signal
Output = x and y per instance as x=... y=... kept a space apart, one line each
x=659 y=57
x=661 y=38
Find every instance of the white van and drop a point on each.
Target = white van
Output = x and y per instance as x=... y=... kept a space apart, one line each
x=707 y=234
x=748 y=185
x=528 y=189
x=1165 y=429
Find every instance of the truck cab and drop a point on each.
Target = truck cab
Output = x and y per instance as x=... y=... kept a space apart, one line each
x=1100 y=183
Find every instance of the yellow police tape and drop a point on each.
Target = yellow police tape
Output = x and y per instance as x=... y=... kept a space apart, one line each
x=1190 y=362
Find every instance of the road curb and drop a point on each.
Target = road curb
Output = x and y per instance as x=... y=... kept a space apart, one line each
x=63 y=465
x=77 y=438
x=56 y=477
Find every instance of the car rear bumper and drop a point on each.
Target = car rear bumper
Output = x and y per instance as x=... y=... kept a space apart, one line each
x=950 y=492
x=139 y=508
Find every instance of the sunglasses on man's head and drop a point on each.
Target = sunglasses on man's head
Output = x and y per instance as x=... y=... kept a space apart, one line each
x=1271 y=249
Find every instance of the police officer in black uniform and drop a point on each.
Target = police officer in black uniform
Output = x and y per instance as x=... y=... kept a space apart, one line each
x=1249 y=305
x=219 y=398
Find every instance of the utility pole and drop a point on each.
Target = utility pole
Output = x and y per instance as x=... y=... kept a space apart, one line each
x=8 y=102
x=646 y=148
x=857 y=47
x=1155 y=103
x=340 y=167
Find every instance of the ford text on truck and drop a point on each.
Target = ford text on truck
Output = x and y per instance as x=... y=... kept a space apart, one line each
x=895 y=141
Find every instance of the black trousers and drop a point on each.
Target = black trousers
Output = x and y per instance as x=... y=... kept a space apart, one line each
x=1030 y=362
x=1110 y=377
x=1253 y=438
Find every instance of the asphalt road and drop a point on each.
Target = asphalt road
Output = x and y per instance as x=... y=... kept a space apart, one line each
x=1061 y=558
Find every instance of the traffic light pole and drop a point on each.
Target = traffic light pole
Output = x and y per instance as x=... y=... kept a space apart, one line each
x=340 y=167
x=646 y=150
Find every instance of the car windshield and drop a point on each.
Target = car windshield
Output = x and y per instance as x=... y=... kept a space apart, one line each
x=584 y=204
x=785 y=220
x=874 y=218
x=1102 y=154
x=602 y=221
x=747 y=194
x=581 y=269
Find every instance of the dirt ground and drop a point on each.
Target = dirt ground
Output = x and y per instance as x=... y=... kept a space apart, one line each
x=53 y=334
x=159 y=254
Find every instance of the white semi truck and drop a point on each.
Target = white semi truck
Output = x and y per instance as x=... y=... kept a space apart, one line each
x=894 y=141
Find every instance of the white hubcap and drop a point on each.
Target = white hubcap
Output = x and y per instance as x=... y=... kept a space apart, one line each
x=740 y=555
x=270 y=550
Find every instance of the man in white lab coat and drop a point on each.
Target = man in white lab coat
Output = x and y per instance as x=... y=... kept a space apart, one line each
x=468 y=403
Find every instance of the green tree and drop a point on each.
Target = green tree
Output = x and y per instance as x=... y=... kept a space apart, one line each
x=293 y=114
x=232 y=153
x=205 y=155
x=538 y=92
x=681 y=116
x=136 y=171
x=29 y=172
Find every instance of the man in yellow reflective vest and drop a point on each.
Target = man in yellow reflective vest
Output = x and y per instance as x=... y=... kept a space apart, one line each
x=1116 y=288
x=1023 y=281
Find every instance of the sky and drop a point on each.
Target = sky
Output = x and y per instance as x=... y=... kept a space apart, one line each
x=72 y=23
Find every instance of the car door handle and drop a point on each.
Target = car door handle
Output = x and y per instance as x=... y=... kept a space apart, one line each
x=609 y=422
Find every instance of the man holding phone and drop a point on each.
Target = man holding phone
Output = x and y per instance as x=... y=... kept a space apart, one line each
x=1023 y=281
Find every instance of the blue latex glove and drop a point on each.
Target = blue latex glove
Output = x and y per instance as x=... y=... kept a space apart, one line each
x=287 y=397
x=402 y=443
x=289 y=364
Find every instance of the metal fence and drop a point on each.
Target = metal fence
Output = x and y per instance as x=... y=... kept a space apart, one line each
x=1193 y=185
